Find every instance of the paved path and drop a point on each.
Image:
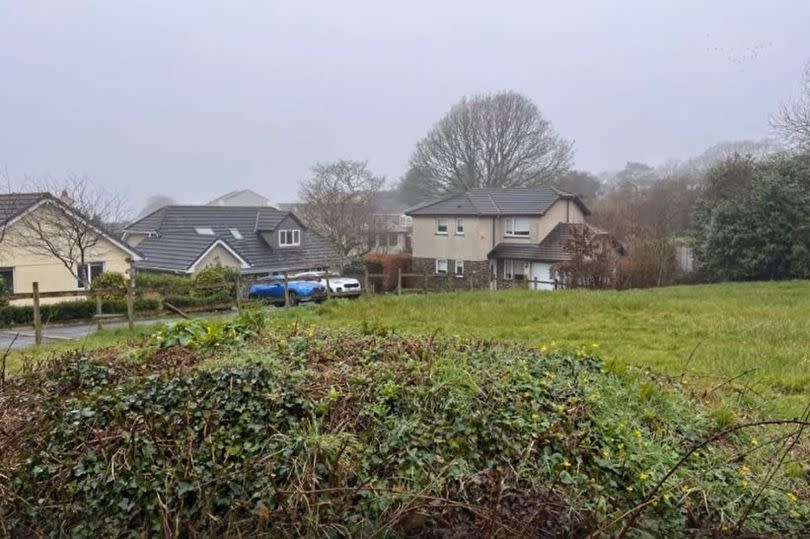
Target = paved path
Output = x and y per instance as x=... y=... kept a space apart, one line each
x=25 y=335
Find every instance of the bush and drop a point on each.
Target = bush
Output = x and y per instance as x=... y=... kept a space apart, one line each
x=113 y=281
x=67 y=311
x=162 y=283
x=388 y=266
x=212 y=279
x=218 y=298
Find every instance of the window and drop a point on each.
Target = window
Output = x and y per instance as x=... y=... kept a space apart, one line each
x=392 y=239
x=441 y=266
x=459 y=268
x=441 y=225
x=236 y=234
x=204 y=230
x=88 y=272
x=7 y=280
x=517 y=226
x=514 y=269
x=289 y=238
x=459 y=226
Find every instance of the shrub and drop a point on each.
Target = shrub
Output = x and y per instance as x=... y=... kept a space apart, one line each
x=387 y=265
x=216 y=298
x=67 y=311
x=164 y=283
x=212 y=279
x=113 y=281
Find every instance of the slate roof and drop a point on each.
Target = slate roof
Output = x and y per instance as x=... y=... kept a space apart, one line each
x=517 y=201
x=175 y=245
x=12 y=205
x=551 y=249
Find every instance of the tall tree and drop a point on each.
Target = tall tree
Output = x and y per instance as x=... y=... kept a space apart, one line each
x=337 y=202
x=579 y=182
x=752 y=221
x=792 y=121
x=491 y=140
x=73 y=230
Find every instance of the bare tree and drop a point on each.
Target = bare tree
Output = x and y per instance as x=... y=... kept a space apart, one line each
x=337 y=202
x=492 y=140
x=792 y=121
x=72 y=228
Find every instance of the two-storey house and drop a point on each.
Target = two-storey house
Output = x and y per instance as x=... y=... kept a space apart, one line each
x=511 y=234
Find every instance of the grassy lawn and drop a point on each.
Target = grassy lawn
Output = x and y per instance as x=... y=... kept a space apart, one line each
x=737 y=327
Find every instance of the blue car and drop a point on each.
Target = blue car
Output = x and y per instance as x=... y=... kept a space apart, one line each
x=273 y=291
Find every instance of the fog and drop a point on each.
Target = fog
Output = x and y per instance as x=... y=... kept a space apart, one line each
x=194 y=99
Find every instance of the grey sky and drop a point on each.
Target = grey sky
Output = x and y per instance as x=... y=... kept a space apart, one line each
x=193 y=99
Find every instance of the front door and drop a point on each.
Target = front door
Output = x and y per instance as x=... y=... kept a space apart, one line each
x=541 y=271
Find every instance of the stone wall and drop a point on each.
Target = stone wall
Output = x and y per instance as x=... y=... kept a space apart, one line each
x=476 y=275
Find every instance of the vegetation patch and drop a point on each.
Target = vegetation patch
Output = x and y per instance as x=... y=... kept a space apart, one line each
x=314 y=432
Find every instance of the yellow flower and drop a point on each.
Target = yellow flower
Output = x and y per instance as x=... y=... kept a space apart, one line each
x=595 y=345
x=790 y=496
x=535 y=417
x=795 y=514
x=745 y=470
x=637 y=433
x=620 y=446
x=744 y=483
x=605 y=453
x=629 y=488
x=754 y=442
x=543 y=349
x=643 y=476
x=666 y=496
x=566 y=464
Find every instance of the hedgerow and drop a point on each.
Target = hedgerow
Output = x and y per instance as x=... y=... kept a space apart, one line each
x=315 y=433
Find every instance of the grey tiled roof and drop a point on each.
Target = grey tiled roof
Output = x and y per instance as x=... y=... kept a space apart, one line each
x=11 y=205
x=518 y=201
x=176 y=245
x=551 y=249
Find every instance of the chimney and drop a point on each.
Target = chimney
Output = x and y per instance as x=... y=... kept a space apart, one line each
x=65 y=198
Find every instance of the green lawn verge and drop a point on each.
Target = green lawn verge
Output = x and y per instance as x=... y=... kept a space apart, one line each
x=759 y=328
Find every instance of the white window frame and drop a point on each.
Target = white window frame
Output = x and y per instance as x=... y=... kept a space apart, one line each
x=442 y=221
x=13 y=279
x=459 y=269
x=295 y=234
x=509 y=266
x=459 y=226
x=511 y=227
x=441 y=262
x=89 y=275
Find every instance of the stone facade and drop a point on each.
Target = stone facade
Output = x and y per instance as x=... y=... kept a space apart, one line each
x=476 y=274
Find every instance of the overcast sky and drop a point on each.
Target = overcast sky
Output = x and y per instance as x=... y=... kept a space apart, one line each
x=192 y=99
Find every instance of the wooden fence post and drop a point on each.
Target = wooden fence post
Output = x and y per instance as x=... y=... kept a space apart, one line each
x=99 y=309
x=37 y=315
x=399 y=281
x=238 y=292
x=424 y=282
x=130 y=306
x=286 y=291
x=328 y=290
x=365 y=281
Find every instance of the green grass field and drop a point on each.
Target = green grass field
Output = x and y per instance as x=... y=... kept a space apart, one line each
x=763 y=328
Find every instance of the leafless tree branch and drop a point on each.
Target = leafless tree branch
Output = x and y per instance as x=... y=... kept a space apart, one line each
x=792 y=121
x=494 y=140
x=338 y=204
x=72 y=230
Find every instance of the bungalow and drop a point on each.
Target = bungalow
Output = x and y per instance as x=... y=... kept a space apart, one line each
x=253 y=240
x=23 y=263
x=490 y=234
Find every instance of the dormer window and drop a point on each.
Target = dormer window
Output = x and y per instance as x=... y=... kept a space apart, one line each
x=289 y=238
x=204 y=230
